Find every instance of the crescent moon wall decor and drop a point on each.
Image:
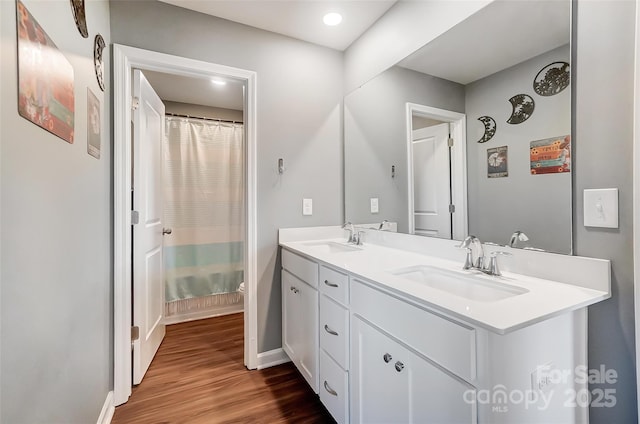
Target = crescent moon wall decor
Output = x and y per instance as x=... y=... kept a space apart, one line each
x=98 y=63
x=489 y=128
x=77 y=7
x=523 y=106
x=552 y=79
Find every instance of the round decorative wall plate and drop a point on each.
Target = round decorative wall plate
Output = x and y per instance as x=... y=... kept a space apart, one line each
x=489 y=128
x=77 y=7
x=98 y=63
x=552 y=79
x=523 y=106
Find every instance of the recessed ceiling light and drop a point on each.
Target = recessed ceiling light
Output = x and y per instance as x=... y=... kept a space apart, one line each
x=218 y=82
x=332 y=19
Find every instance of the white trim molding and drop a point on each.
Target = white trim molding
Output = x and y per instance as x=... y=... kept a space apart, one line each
x=125 y=59
x=108 y=409
x=272 y=358
x=458 y=122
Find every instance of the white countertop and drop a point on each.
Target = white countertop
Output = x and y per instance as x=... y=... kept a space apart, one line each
x=544 y=298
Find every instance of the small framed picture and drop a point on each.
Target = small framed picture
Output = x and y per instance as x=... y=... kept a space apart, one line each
x=497 y=162
x=94 y=125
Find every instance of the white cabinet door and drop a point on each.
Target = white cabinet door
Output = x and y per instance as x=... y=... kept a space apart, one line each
x=438 y=397
x=300 y=326
x=309 y=337
x=290 y=312
x=379 y=378
x=391 y=384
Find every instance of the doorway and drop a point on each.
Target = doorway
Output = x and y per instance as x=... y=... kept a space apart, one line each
x=126 y=59
x=437 y=172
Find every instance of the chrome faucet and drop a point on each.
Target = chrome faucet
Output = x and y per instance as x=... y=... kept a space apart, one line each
x=352 y=231
x=468 y=244
x=490 y=268
x=516 y=237
x=382 y=224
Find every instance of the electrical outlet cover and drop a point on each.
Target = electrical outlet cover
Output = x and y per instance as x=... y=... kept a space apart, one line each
x=307 y=206
x=374 y=205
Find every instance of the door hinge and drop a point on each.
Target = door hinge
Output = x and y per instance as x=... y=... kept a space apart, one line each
x=135 y=333
x=450 y=142
x=135 y=102
x=135 y=217
x=452 y=208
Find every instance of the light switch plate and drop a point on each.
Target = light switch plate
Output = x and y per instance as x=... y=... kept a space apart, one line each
x=307 y=206
x=601 y=208
x=374 y=205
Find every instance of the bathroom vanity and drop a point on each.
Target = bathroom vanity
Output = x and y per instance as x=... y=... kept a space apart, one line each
x=396 y=331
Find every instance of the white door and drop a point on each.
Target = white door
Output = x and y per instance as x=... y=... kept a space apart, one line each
x=431 y=194
x=148 y=268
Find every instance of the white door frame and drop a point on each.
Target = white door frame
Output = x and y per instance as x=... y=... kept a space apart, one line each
x=125 y=59
x=458 y=123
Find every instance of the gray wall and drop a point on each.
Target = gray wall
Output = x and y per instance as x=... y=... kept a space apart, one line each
x=299 y=119
x=374 y=131
x=603 y=158
x=56 y=356
x=539 y=205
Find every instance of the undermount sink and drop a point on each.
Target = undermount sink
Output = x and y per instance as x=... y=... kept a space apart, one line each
x=332 y=247
x=459 y=284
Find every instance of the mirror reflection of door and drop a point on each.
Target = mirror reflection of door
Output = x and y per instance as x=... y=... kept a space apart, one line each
x=431 y=194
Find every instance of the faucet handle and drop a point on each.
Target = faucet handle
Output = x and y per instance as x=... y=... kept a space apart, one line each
x=493 y=262
x=468 y=262
x=359 y=237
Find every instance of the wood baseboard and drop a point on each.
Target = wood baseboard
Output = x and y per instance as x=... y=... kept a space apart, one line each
x=108 y=409
x=272 y=358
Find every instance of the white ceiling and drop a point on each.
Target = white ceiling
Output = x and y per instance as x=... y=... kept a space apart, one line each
x=198 y=91
x=504 y=33
x=301 y=19
x=501 y=35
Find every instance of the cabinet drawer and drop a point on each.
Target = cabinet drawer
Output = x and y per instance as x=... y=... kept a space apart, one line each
x=302 y=268
x=448 y=343
x=334 y=330
x=334 y=284
x=334 y=388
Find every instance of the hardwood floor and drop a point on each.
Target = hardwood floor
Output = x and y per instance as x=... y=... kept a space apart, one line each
x=198 y=377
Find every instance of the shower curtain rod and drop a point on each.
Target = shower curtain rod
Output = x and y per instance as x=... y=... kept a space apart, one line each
x=202 y=117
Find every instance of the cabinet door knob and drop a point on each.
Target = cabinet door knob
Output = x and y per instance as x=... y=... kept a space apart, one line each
x=399 y=366
x=387 y=357
x=330 y=331
x=329 y=389
x=330 y=284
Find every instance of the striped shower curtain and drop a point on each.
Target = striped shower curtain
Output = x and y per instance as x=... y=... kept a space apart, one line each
x=204 y=206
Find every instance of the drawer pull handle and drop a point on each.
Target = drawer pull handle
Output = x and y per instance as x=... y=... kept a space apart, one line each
x=399 y=366
x=330 y=331
x=330 y=284
x=329 y=389
x=387 y=357
x=295 y=290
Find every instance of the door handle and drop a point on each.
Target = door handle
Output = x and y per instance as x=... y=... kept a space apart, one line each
x=329 y=389
x=330 y=331
x=166 y=231
x=330 y=284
